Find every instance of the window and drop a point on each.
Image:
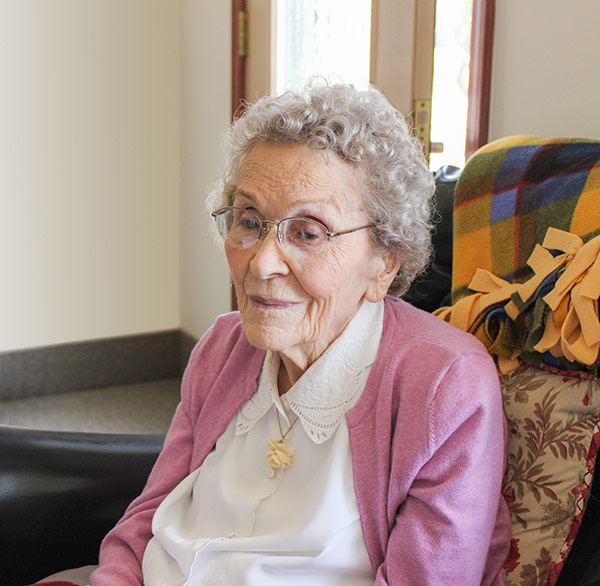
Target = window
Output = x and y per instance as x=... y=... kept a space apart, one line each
x=326 y=37
x=450 y=94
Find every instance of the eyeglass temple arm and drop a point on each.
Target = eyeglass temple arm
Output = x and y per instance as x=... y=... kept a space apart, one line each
x=332 y=234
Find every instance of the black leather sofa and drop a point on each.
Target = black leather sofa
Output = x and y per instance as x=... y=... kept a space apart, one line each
x=61 y=492
x=431 y=289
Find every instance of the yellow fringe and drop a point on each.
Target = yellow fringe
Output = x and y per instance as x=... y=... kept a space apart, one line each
x=571 y=323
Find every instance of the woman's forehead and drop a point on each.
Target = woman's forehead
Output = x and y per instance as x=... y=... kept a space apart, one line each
x=298 y=172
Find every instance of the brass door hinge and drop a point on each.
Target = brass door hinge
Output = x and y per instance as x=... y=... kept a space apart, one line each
x=242 y=33
x=423 y=122
x=423 y=127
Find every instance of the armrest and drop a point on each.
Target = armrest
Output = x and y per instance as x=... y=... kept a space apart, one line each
x=61 y=492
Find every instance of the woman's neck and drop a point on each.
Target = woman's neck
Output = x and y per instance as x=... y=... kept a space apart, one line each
x=288 y=374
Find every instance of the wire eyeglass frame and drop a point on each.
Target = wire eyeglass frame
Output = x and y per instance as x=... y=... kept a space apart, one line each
x=304 y=244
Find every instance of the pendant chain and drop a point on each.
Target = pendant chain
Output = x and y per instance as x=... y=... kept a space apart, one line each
x=281 y=452
x=283 y=435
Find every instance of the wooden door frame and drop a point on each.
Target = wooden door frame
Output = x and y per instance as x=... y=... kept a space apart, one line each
x=480 y=75
x=480 y=70
x=238 y=59
x=238 y=77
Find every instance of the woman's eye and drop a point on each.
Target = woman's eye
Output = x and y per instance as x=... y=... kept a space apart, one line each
x=250 y=224
x=308 y=235
x=306 y=232
x=246 y=221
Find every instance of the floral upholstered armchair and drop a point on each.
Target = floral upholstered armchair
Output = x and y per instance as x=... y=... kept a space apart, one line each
x=526 y=282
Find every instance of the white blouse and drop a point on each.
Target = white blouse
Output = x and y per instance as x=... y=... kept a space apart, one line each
x=236 y=521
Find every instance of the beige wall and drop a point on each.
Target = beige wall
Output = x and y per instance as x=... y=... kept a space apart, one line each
x=546 y=68
x=206 y=111
x=89 y=169
x=111 y=116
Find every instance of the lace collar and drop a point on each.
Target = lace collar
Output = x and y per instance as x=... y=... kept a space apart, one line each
x=329 y=387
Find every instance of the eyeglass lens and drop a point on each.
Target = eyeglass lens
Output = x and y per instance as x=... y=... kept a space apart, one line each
x=242 y=228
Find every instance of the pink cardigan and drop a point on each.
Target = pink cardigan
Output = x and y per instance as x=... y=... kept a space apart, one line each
x=427 y=440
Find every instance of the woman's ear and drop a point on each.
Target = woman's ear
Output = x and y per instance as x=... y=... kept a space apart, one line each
x=387 y=266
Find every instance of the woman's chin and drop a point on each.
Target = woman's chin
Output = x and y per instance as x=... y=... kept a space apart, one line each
x=270 y=337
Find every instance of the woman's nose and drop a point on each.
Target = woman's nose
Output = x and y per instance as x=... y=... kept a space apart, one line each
x=268 y=259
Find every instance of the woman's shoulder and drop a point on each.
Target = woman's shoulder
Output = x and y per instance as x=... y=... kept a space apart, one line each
x=223 y=353
x=422 y=354
x=427 y=369
x=225 y=333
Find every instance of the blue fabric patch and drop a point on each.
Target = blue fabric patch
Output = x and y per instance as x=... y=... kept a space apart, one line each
x=589 y=153
x=513 y=166
x=503 y=205
x=529 y=200
x=561 y=187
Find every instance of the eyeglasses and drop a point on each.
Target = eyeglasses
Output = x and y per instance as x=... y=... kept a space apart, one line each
x=242 y=228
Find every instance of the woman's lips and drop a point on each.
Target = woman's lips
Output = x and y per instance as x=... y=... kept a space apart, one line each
x=267 y=303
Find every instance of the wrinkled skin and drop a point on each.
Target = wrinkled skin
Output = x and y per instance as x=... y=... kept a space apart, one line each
x=290 y=305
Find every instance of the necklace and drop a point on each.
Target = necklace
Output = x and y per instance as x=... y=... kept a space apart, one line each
x=281 y=451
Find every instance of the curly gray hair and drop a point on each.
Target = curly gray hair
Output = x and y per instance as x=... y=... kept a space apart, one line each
x=363 y=129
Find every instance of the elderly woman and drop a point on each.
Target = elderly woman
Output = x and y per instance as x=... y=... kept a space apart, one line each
x=328 y=433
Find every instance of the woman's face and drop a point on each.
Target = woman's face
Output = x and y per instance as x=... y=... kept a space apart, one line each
x=294 y=306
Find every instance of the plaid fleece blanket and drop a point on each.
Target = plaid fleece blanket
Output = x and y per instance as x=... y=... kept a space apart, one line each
x=510 y=193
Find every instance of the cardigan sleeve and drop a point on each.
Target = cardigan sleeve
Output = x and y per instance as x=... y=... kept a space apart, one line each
x=452 y=527
x=123 y=548
x=199 y=420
